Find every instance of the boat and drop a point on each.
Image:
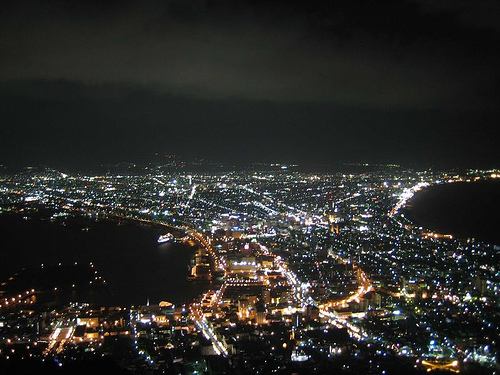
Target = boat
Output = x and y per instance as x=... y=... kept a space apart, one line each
x=165 y=238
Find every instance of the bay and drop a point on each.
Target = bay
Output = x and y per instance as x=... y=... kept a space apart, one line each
x=465 y=210
x=126 y=255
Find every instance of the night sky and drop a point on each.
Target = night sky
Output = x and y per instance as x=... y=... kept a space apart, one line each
x=412 y=82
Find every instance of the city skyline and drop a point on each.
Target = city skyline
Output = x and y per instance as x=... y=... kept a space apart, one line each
x=249 y=187
x=289 y=272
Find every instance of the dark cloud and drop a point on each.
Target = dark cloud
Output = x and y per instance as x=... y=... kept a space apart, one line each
x=415 y=81
x=357 y=52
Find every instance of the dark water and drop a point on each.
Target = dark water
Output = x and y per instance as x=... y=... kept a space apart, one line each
x=127 y=256
x=461 y=209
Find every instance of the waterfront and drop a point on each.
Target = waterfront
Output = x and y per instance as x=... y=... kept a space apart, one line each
x=461 y=209
x=135 y=267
